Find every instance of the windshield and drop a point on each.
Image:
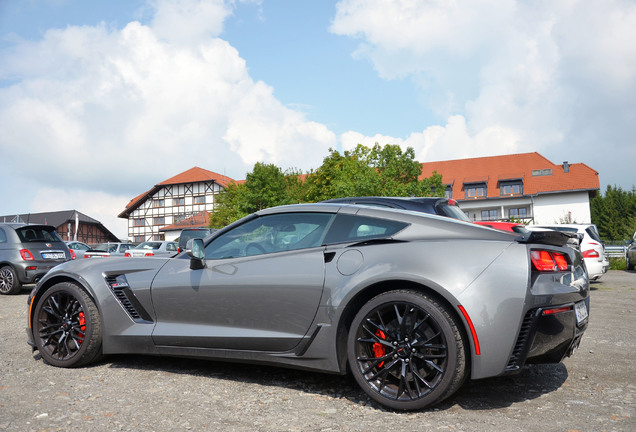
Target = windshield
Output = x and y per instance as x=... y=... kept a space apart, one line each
x=38 y=234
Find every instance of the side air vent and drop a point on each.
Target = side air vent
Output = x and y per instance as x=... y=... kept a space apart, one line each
x=121 y=290
x=521 y=347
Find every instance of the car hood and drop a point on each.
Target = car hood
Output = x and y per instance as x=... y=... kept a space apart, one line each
x=85 y=268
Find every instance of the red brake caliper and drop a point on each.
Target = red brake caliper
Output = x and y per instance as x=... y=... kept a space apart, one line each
x=82 y=323
x=378 y=348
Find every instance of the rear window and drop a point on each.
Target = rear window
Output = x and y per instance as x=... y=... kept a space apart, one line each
x=29 y=234
x=452 y=211
x=591 y=231
x=149 y=245
x=348 y=228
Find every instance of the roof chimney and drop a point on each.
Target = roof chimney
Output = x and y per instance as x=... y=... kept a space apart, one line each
x=566 y=167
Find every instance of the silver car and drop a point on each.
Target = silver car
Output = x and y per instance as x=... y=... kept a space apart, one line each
x=153 y=249
x=108 y=250
x=412 y=304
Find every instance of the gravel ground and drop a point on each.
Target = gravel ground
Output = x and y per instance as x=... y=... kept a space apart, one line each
x=592 y=391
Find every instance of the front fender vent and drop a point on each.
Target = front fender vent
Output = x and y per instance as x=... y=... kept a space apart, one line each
x=121 y=290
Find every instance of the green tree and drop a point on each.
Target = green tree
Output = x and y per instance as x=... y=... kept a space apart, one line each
x=377 y=171
x=614 y=213
x=228 y=207
x=265 y=186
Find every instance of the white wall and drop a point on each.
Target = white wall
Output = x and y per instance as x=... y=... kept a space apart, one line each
x=551 y=208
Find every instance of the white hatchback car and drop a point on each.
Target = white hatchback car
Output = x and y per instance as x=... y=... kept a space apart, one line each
x=592 y=246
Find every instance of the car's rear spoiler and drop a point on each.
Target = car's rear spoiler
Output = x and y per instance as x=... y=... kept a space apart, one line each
x=551 y=237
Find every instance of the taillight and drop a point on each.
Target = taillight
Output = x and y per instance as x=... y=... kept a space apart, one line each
x=72 y=254
x=590 y=253
x=26 y=255
x=127 y=254
x=149 y=254
x=556 y=310
x=544 y=260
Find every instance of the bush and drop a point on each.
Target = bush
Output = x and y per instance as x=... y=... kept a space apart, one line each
x=617 y=263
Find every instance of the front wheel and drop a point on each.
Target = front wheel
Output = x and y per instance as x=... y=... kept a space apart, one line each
x=67 y=327
x=630 y=264
x=406 y=350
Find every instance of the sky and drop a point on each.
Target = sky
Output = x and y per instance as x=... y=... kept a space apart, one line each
x=99 y=101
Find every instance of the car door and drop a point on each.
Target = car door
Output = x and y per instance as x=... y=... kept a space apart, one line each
x=259 y=290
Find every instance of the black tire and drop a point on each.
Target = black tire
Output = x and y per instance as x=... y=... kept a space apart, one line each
x=9 y=282
x=67 y=327
x=630 y=264
x=406 y=350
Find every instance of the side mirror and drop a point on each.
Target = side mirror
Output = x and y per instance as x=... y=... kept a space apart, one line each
x=196 y=252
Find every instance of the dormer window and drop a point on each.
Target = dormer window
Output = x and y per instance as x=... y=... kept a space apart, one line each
x=475 y=191
x=511 y=188
x=448 y=193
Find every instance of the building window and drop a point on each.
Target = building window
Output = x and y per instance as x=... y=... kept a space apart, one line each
x=158 y=237
x=511 y=188
x=518 y=213
x=449 y=192
x=475 y=191
x=159 y=221
x=178 y=201
x=159 y=203
x=181 y=217
x=542 y=172
x=489 y=215
x=199 y=199
x=139 y=239
x=139 y=222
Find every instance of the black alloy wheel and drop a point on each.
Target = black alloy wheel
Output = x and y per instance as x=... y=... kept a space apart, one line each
x=406 y=350
x=9 y=283
x=67 y=327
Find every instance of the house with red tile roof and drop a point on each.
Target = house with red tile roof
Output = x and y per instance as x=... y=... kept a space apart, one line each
x=185 y=199
x=524 y=186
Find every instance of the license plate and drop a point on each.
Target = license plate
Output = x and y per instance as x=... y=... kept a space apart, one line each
x=53 y=255
x=581 y=312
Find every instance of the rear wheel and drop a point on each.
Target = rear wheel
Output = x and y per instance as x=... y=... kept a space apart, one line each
x=67 y=327
x=630 y=264
x=406 y=351
x=9 y=283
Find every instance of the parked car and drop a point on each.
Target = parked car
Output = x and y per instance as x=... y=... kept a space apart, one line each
x=591 y=246
x=153 y=248
x=630 y=254
x=77 y=249
x=413 y=304
x=27 y=252
x=514 y=227
x=432 y=205
x=107 y=250
x=190 y=233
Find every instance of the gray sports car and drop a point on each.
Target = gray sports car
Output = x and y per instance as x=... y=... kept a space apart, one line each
x=412 y=304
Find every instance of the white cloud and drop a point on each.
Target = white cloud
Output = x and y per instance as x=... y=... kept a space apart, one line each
x=189 y=21
x=114 y=111
x=536 y=76
x=451 y=141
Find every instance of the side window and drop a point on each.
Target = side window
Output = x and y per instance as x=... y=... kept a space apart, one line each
x=171 y=247
x=270 y=234
x=3 y=236
x=348 y=228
